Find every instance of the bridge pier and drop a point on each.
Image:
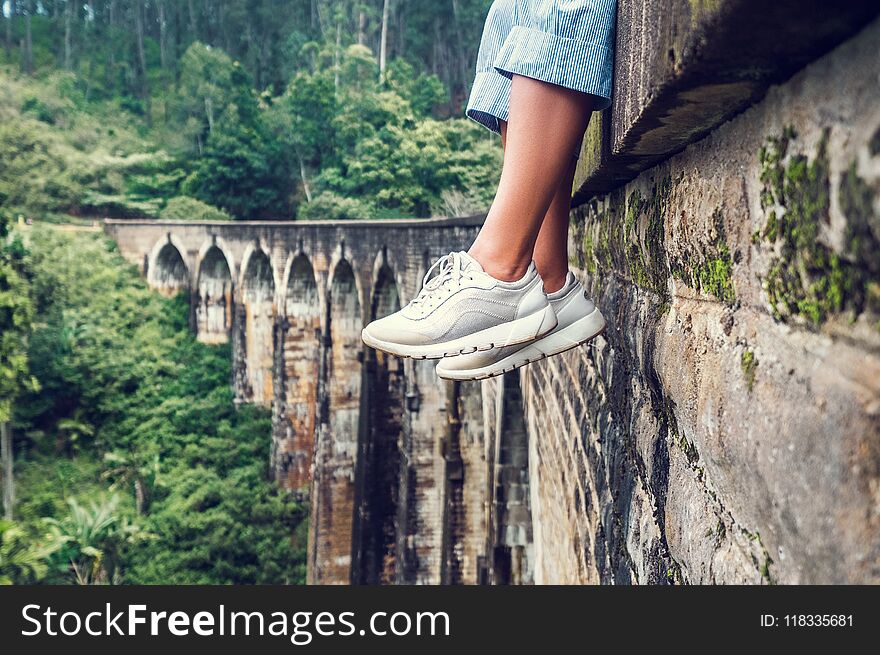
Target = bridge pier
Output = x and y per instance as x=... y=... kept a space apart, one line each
x=298 y=345
x=375 y=546
x=464 y=506
x=333 y=489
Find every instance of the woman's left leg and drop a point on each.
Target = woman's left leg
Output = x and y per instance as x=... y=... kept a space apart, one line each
x=551 y=246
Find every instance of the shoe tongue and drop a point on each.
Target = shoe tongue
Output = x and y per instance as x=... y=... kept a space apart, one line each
x=468 y=263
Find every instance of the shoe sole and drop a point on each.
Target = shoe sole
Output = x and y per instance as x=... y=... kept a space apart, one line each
x=522 y=330
x=593 y=324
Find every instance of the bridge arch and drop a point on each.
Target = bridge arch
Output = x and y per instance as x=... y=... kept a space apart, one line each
x=380 y=447
x=345 y=264
x=334 y=495
x=258 y=308
x=386 y=263
x=214 y=293
x=167 y=271
x=298 y=371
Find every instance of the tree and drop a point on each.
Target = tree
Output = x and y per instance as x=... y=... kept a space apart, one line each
x=383 y=46
x=241 y=171
x=68 y=20
x=209 y=83
x=28 y=38
x=92 y=539
x=299 y=121
x=16 y=316
x=10 y=19
x=143 y=74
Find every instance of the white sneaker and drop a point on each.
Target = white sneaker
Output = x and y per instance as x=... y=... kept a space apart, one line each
x=579 y=321
x=463 y=309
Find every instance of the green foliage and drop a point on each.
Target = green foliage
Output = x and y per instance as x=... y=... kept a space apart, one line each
x=34 y=176
x=371 y=149
x=264 y=105
x=339 y=134
x=183 y=208
x=16 y=317
x=148 y=411
x=210 y=84
x=118 y=205
x=424 y=92
x=59 y=154
x=22 y=560
x=92 y=538
x=241 y=171
x=403 y=165
x=332 y=206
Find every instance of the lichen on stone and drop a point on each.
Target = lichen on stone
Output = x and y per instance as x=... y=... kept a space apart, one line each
x=862 y=224
x=689 y=450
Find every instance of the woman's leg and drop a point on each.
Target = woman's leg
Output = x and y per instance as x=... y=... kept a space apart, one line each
x=551 y=247
x=546 y=123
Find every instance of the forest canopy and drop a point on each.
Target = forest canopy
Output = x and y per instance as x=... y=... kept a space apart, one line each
x=269 y=109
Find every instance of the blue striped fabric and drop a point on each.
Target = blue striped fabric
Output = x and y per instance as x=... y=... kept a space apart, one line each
x=564 y=42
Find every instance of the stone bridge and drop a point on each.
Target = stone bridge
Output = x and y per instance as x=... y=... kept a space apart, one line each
x=725 y=429
x=379 y=445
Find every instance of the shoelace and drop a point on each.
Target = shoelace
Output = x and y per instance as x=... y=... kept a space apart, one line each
x=449 y=269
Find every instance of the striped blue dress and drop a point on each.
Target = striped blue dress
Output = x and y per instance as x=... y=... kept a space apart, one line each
x=564 y=42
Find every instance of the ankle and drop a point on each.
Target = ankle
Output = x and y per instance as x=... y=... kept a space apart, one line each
x=554 y=282
x=501 y=267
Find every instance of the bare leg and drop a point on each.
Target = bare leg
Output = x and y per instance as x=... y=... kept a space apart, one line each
x=551 y=247
x=546 y=124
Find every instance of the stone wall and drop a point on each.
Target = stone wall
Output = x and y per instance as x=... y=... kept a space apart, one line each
x=727 y=426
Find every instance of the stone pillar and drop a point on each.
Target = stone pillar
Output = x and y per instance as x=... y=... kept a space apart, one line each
x=333 y=485
x=465 y=491
x=510 y=553
x=258 y=294
x=422 y=470
x=296 y=372
x=379 y=452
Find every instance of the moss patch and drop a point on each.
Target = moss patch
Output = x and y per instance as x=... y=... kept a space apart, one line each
x=612 y=239
x=627 y=235
x=689 y=449
x=806 y=278
x=749 y=365
x=709 y=268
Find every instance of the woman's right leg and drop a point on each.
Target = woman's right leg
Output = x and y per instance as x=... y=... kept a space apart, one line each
x=546 y=123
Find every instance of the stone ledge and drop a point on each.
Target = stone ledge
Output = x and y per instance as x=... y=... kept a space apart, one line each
x=683 y=67
x=475 y=220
